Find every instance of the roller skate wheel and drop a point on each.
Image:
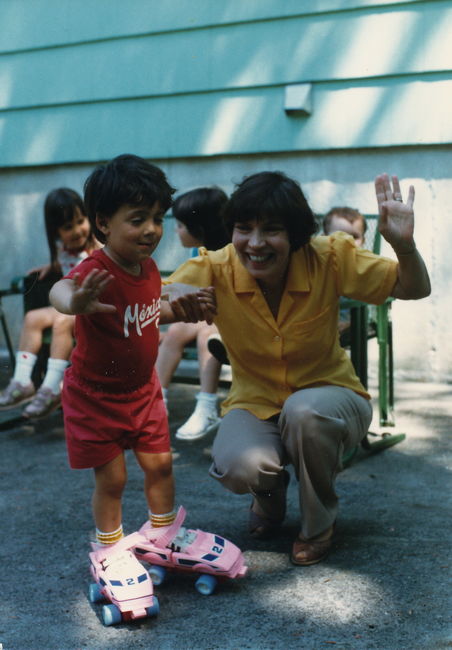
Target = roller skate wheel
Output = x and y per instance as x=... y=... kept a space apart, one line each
x=206 y=584
x=111 y=615
x=155 y=607
x=95 y=593
x=157 y=574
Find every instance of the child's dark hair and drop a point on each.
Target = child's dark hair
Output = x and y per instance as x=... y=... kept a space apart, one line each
x=201 y=212
x=351 y=214
x=125 y=180
x=59 y=208
x=269 y=195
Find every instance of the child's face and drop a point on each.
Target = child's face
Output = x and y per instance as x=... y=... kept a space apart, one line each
x=355 y=229
x=186 y=238
x=74 y=234
x=132 y=234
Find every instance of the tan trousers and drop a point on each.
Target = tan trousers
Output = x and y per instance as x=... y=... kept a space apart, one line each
x=314 y=428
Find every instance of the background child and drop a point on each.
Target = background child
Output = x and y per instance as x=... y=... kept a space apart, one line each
x=70 y=240
x=347 y=220
x=112 y=398
x=351 y=221
x=199 y=223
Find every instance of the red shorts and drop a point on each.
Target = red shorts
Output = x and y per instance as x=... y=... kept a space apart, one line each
x=99 y=426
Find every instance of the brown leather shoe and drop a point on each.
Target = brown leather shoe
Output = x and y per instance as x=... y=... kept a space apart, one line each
x=311 y=551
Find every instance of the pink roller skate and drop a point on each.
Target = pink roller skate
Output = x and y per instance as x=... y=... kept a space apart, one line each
x=180 y=549
x=122 y=580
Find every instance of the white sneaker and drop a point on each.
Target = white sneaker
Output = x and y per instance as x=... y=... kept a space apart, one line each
x=199 y=424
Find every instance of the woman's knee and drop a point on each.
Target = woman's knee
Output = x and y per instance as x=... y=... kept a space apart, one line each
x=307 y=427
x=242 y=474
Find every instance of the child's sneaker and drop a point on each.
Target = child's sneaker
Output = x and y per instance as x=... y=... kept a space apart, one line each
x=43 y=403
x=15 y=394
x=181 y=549
x=122 y=580
x=201 y=422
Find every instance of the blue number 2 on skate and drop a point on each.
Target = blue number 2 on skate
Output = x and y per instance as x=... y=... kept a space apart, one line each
x=217 y=549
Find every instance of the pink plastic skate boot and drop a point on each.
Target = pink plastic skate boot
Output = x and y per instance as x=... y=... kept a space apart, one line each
x=177 y=548
x=122 y=580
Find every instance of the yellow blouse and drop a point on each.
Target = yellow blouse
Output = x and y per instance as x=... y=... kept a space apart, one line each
x=270 y=359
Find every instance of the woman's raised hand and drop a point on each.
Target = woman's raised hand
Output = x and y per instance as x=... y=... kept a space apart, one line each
x=396 y=223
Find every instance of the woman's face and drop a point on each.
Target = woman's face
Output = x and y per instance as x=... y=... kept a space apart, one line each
x=263 y=248
x=186 y=238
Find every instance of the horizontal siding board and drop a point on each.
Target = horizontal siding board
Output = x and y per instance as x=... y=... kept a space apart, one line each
x=28 y=24
x=367 y=114
x=395 y=41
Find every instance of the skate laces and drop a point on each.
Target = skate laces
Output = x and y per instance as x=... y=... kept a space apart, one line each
x=183 y=539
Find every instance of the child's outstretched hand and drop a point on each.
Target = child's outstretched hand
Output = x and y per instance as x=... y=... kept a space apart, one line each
x=85 y=295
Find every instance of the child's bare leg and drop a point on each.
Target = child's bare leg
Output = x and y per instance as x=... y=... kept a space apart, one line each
x=171 y=349
x=209 y=367
x=20 y=388
x=48 y=398
x=35 y=322
x=110 y=480
x=158 y=481
x=62 y=337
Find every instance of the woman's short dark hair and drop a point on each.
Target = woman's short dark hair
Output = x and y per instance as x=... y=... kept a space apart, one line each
x=125 y=180
x=269 y=195
x=201 y=212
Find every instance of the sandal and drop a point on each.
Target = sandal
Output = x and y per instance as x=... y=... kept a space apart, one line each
x=262 y=527
x=310 y=551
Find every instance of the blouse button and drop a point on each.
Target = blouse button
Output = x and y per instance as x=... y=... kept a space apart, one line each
x=276 y=338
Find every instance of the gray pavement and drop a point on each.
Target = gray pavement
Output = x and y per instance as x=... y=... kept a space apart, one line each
x=386 y=585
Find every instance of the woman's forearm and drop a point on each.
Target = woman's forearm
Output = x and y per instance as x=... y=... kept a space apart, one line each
x=413 y=281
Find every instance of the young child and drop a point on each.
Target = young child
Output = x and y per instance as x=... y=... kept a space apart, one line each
x=70 y=241
x=347 y=220
x=112 y=398
x=199 y=223
x=351 y=221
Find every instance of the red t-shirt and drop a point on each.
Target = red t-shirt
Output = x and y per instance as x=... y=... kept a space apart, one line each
x=117 y=352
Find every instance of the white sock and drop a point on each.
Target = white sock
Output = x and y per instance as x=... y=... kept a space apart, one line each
x=157 y=521
x=54 y=374
x=25 y=362
x=106 y=539
x=207 y=401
